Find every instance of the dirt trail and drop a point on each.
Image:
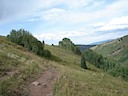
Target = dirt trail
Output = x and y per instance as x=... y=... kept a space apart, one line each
x=43 y=85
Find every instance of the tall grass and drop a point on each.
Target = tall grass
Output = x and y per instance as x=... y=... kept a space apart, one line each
x=17 y=68
x=74 y=81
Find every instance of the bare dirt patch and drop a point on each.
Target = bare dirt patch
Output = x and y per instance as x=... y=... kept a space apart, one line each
x=43 y=85
x=117 y=51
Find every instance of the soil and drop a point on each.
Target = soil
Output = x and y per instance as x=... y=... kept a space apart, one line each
x=117 y=51
x=43 y=85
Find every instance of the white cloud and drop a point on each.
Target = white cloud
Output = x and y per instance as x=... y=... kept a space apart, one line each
x=47 y=10
x=99 y=24
x=115 y=23
x=97 y=37
x=113 y=9
x=112 y=27
x=18 y=9
x=55 y=16
x=71 y=16
x=121 y=20
x=78 y=37
x=60 y=35
x=77 y=3
x=98 y=3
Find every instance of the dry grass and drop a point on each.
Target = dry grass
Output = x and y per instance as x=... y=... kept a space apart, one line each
x=74 y=81
x=17 y=68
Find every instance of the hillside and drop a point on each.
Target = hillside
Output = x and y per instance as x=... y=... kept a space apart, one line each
x=111 y=57
x=102 y=42
x=116 y=49
x=76 y=81
x=20 y=67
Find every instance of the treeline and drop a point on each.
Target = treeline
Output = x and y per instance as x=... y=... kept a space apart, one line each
x=69 y=45
x=25 y=39
x=107 y=64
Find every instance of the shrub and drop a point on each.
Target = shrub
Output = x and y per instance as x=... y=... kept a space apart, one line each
x=69 y=45
x=83 y=62
x=107 y=64
x=25 y=39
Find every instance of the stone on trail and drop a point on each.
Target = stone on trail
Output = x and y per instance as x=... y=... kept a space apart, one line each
x=36 y=83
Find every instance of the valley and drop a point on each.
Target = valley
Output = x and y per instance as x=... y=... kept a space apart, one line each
x=20 y=68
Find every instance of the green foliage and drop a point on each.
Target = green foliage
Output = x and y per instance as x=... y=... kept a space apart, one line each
x=100 y=61
x=120 y=71
x=109 y=65
x=17 y=65
x=69 y=45
x=7 y=64
x=83 y=62
x=117 y=49
x=25 y=39
x=72 y=80
x=47 y=53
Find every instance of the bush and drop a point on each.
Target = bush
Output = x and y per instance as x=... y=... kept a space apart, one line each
x=69 y=45
x=47 y=53
x=83 y=62
x=25 y=39
x=109 y=65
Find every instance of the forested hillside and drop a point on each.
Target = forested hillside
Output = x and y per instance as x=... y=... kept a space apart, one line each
x=20 y=67
x=117 y=49
x=111 y=57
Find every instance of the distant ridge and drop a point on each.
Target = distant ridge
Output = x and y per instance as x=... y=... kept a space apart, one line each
x=84 y=47
x=101 y=42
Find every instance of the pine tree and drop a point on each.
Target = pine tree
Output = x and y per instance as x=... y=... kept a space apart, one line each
x=83 y=62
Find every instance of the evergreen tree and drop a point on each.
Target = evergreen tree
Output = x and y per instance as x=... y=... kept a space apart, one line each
x=83 y=62
x=107 y=64
x=69 y=45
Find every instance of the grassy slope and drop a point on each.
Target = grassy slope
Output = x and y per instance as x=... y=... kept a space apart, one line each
x=76 y=81
x=116 y=49
x=18 y=67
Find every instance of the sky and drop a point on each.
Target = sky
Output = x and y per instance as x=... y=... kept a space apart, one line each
x=83 y=21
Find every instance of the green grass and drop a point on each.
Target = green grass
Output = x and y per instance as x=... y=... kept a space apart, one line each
x=19 y=67
x=67 y=57
x=116 y=49
x=76 y=81
x=88 y=83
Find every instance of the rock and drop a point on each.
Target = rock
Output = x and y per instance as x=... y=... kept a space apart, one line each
x=36 y=83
